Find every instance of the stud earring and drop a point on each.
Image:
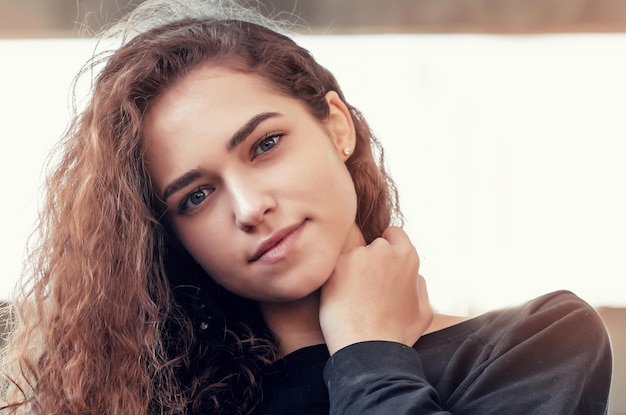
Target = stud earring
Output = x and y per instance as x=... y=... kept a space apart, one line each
x=347 y=151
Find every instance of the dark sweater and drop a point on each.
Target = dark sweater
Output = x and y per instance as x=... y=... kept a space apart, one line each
x=548 y=356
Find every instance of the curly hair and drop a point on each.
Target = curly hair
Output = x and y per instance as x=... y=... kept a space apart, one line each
x=116 y=317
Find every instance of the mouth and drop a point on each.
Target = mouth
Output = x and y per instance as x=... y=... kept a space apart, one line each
x=277 y=245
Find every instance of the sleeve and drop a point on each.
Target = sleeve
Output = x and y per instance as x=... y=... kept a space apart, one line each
x=551 y=357
x=379 y=377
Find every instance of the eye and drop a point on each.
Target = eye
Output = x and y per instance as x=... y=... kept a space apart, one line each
x=194 y=199
x=266 y=144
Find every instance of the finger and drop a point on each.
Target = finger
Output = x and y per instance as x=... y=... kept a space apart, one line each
x=396 y=236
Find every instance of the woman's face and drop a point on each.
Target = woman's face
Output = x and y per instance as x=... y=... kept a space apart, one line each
x=256 y=187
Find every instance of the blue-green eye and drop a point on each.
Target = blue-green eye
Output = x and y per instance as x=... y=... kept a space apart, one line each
x=194 y=199
x=266 y=144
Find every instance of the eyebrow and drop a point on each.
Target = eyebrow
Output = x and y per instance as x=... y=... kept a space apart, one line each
x=181 y=182
x=247 y=129
x=240 y=136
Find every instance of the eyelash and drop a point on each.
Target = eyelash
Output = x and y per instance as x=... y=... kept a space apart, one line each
x=183 y=205
x=275 y=136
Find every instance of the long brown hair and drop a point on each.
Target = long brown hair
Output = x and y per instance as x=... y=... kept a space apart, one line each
x=117 y=317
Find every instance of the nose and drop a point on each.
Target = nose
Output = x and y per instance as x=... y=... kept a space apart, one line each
x=251 y=202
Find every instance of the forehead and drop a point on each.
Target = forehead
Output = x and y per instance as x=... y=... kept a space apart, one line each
x=200 y=112
x=211 y=99
x=211 y=84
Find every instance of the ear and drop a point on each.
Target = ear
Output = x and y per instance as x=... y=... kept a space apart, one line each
x=340 y=125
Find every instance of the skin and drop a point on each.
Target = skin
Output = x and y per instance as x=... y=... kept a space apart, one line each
x=258 y=192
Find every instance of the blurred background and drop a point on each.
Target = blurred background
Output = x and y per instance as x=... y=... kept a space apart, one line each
x=59 y=18
x=503 y=124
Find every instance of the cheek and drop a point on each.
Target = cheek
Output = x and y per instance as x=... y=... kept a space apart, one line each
x=325 y=175
x=207 y=244
x=342 y=193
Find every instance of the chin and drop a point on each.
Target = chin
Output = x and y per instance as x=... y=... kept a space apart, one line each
x=291 y=294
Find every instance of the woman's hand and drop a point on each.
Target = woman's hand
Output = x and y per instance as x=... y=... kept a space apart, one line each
x=376 y=293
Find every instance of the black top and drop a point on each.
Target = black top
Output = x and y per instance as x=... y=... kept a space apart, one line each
x=548 y=356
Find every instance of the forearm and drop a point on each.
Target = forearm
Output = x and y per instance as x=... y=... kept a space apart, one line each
x=379 y=377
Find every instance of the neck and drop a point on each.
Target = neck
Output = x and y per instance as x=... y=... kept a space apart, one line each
x=295 y=324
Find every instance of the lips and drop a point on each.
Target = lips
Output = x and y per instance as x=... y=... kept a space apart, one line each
x=277 y=245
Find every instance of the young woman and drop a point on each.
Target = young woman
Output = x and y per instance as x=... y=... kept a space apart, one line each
x=217 y=239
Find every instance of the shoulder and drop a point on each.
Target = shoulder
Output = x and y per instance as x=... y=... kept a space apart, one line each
x=558 y=332
x=562 y=313
x=554 y=347
x=558 y=302
x=559 y=343
x=559 y=337
x=559 y=320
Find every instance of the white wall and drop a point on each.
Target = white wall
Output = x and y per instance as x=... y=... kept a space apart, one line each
x=508 y=152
